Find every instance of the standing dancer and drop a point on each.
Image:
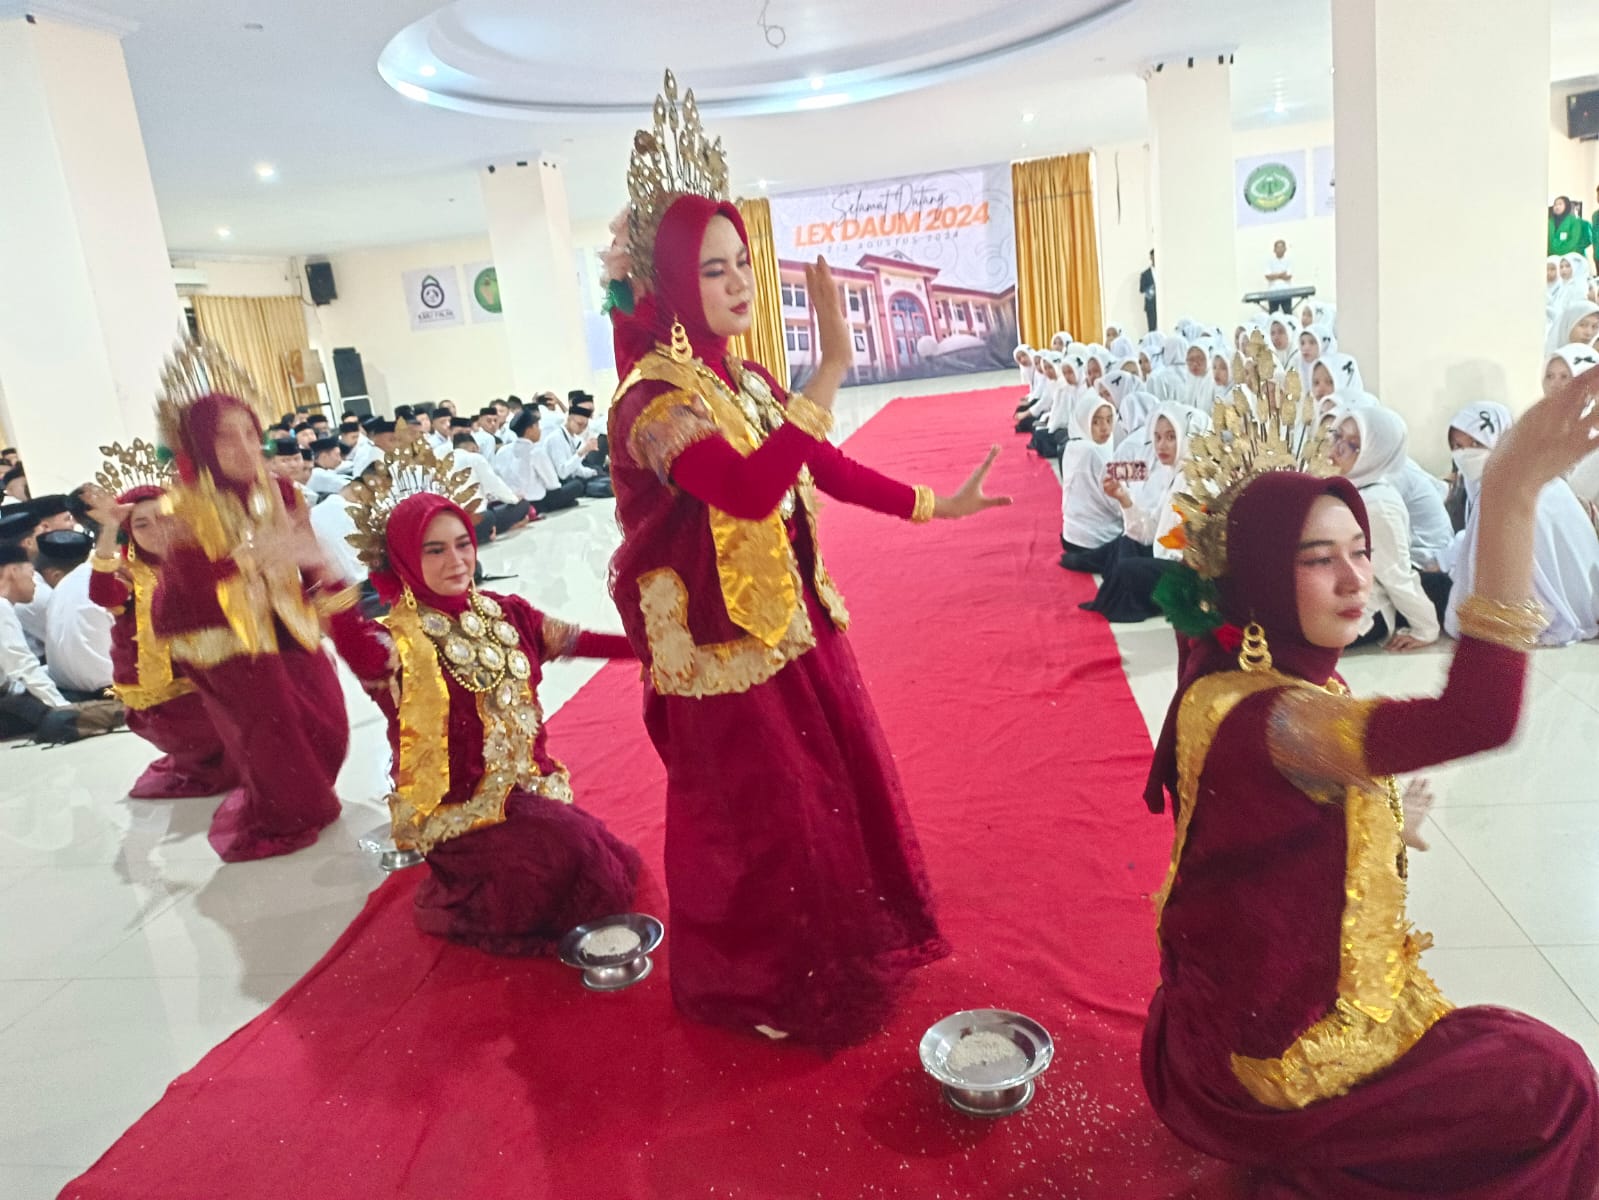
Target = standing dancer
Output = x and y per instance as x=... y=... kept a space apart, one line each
x=163 y=707
x=1294 y=1029
x=799 y=899
x=512 y=863
x=243 y=598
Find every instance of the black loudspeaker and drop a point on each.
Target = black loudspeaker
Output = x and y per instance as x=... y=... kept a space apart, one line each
x=361 y=406
x=347 y=366
x=319 y=275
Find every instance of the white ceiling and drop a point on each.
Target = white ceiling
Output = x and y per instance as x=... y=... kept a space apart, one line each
x=360 y=164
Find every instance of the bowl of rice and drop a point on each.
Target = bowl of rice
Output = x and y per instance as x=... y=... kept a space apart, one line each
x=614 y=952
x=986 y=1059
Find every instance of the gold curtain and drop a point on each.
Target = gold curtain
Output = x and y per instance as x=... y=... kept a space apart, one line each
x=259 y=333
x=1057 y=249
x=764 y=342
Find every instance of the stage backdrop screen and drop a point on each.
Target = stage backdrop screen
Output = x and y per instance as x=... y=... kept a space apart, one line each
x=927 y=265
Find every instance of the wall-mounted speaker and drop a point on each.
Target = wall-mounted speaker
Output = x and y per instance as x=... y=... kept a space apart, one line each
x=319 y=277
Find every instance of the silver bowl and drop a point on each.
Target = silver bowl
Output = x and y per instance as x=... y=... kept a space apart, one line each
x=612 y=973
x=987 y=1089
x=390 y=857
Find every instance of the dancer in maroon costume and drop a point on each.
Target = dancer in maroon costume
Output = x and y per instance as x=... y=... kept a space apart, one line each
x=163 y=707
x=1294 y=1029
x=799 y=899
x=244 y=598
x=512 y=863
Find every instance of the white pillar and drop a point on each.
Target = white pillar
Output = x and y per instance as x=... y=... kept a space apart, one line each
x=531 y=232
x=1441 y=119
x=1191 y=150
x=88 y=309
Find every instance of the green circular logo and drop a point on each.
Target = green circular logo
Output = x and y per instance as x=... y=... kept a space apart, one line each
x=1270 y=187
x=486 y=287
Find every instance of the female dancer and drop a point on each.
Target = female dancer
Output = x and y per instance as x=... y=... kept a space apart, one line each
x=512 y=864
x=798 y=894
x=163 y=707
x=1294 y=1029
x=243 y=598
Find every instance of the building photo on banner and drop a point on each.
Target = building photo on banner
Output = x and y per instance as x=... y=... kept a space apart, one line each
x=927 y=264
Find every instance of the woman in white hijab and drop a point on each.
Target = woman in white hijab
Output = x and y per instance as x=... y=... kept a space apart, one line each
x=1564 y=364
x=1118 y=389
x=1575 y=324
x=1100 y=360
x=1565 y=549
x=1042 y=396
x=1334 y=375
x=1127 y=593
x=1188 y=329
x=1188 y=384
x=1122 y=349
x=1314 y=343
x=1060 y=341
x=1431 y=531
x=1575 y=273
x=1280 y=336
x=1057 y=426
x=1370 y=451
x=1049 y=368
x=1089 y=519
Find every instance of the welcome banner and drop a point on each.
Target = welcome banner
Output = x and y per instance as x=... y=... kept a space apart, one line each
x=927 y=264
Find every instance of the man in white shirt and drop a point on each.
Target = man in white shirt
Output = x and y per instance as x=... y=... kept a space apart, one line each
x=483 y=432
x=325 y=478
x=1279 y=275
x=77 y=642
x=573 y=452
x=27 y=693
x=502 y=424
x=439 y=437
x=503 y=509
x=529 y=471
x=377 y=437
x=18 y=528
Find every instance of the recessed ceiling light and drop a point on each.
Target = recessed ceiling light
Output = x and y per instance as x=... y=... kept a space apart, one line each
x=265 y=171
x=224 y=232
x=1027 y=118
x=761 y=183
x=817 y=83
x=427 y=70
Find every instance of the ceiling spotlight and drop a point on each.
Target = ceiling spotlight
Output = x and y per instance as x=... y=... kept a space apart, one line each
x=427 y=70
x=817 y=83
x=224 y=232
x=264 y=171
x=1027 y=118
x=761 y=183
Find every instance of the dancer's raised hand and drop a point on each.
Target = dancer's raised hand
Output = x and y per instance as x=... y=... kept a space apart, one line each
x=970 y=500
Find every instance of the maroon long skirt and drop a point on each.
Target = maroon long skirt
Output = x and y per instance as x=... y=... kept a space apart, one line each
x=799 y=898
x=284 y=731
x=516 y=887
x=1489 y=1105
x=192 y=762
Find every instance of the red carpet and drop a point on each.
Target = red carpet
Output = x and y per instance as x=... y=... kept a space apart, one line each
x=401 y=1066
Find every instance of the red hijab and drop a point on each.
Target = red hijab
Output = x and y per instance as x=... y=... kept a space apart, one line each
x=675 y=289
x=1263 y=534
x=197 y=437
x=138 y=495
x=403 y=539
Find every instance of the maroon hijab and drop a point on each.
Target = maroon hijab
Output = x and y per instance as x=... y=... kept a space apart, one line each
x=675 y=289
x=403 y=538
x=197 y=438
x=1263 y=533
x=138 y=495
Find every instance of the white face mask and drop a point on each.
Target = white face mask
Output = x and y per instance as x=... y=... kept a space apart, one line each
x=1470 y=463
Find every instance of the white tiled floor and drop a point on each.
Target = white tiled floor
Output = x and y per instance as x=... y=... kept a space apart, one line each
x=129 y=951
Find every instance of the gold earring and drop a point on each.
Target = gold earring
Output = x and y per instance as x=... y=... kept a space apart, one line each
x=681 y=351
x=1255 y=655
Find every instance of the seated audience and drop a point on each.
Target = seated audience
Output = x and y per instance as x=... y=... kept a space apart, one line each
x=529 y=472
x=503 y=509
x=77 y=641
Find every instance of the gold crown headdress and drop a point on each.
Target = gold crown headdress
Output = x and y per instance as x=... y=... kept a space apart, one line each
x=127 y=467
x=406 y=471
x=675 y=159
x=196 y=368
x=1222 y=463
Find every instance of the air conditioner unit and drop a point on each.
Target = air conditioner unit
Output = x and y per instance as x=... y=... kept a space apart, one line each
x=189 y=280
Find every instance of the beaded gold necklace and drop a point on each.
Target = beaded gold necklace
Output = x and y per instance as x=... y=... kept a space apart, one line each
x=480 y=648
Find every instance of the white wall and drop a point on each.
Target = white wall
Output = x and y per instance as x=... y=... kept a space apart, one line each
x=1311 y=245
x=1126 y=234
x=247 y=276
x=468 y=363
